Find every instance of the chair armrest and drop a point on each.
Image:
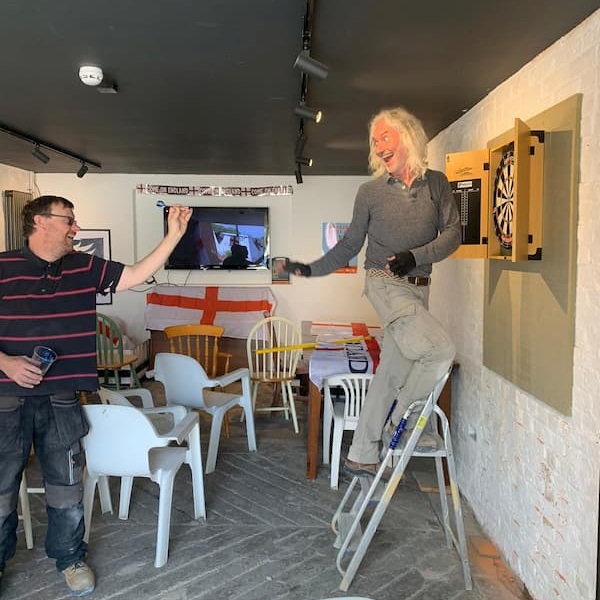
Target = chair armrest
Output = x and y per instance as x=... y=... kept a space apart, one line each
x=179 y=412
x=182 y=429
x=228 y=378
x=144 y=394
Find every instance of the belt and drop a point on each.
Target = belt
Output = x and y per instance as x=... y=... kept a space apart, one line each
x=419 y=281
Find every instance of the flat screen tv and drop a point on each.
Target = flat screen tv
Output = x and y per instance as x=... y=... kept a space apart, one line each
x=227 y=238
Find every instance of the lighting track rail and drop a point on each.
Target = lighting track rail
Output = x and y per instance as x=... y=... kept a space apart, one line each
x=38 y=145
x=308 y=66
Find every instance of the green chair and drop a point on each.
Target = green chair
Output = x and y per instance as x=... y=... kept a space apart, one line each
x=111 y=357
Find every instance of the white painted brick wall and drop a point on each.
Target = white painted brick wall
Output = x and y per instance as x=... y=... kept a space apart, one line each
x=531 y=476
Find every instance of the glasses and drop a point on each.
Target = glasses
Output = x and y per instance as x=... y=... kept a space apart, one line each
x=70 y=220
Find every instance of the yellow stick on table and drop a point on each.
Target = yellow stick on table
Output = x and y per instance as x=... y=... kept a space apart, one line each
x=308 y=345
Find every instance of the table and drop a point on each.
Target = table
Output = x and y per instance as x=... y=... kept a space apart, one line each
x=360 y=357
x=315 y=404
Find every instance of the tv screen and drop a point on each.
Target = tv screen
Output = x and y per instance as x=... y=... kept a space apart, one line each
x=218 y=237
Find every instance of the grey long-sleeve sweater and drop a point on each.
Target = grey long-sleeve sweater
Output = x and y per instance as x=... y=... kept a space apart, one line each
x=423 y=219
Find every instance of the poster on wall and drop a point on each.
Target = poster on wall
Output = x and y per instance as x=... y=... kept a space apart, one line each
x=96 y=242
x=278 y=274
x=331 y=235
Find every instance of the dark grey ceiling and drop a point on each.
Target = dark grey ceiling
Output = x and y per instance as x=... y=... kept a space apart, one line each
x=208 y=86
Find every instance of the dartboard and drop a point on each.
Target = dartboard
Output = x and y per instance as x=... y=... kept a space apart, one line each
x=503 y=199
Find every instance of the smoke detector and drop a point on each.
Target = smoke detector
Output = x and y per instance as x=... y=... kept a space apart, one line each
x=91 y=75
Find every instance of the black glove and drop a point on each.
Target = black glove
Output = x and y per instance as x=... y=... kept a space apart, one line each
x=402 y=263
x=292 y=267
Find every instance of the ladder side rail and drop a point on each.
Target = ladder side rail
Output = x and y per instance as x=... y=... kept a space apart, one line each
x=459 y=538
x=356 y=523
x=390 y=489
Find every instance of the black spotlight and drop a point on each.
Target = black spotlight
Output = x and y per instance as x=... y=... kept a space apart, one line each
x=39 y=154
x=308 y=113
x=83 y=169
x=298 y=174
x=309 y=65
x=305 y=162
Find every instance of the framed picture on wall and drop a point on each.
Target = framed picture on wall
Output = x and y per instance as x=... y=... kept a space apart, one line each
x=96 y=242
x=278 y=275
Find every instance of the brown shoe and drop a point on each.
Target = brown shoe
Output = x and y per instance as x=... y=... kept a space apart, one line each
x=80 y=579
x=358 y=469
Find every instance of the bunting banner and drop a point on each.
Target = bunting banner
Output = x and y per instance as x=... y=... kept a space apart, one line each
x=236 y=309
x=214 y=190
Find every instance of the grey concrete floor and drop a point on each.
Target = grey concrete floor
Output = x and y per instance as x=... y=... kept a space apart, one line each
x=267 y=535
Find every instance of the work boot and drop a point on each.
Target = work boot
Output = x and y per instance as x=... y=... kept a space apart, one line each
x=358 y=469
x=80 y=578
x=369 y=469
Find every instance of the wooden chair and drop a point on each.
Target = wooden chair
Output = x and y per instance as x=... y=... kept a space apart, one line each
x=273 y=350
x=202 y=343
x=111 y=356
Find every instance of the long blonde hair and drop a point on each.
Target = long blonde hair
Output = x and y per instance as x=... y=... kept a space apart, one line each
x=413 y=137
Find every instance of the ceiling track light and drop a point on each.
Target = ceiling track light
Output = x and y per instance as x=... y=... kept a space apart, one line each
x=83 y=169
x=47 y=146
x=39 y=154
x=305 y=112
x=305 y=162
x=310 y=66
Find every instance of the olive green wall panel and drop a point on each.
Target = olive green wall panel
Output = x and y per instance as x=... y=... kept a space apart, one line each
x=529 y=307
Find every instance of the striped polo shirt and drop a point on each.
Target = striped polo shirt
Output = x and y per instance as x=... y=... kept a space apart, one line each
x=53 y=304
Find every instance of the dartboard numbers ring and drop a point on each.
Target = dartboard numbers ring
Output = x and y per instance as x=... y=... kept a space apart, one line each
x=503 y=199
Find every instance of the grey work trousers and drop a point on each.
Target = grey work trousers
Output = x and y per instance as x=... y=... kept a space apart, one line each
x=55 y=425
x=416 y=352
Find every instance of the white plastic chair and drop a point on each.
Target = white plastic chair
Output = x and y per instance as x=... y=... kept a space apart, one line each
x=24 y=491
x=123 y=442
x=275 y=367
x=165 y=420
x=186 y=383
x=344 y=415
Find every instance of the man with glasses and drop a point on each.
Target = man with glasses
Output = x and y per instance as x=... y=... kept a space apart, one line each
x=48 y=296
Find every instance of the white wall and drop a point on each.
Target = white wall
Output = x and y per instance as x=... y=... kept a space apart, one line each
x=531 y=476
x=108 y=201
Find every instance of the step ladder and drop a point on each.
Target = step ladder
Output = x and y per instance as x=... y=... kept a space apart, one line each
x=375 y=492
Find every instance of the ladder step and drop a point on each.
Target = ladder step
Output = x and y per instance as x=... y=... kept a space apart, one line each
x=345 y=522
